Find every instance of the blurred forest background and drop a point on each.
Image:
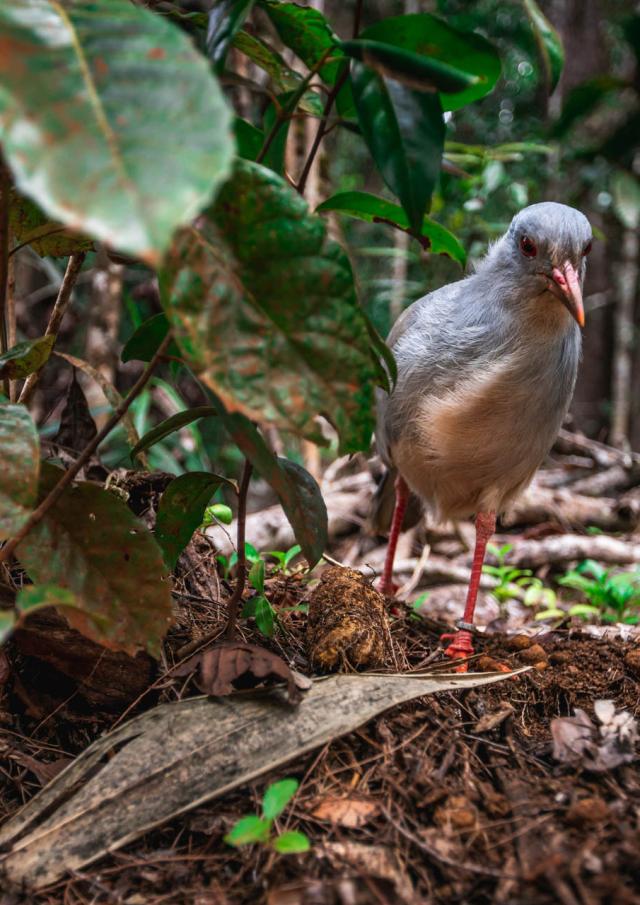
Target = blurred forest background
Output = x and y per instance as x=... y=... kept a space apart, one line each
x=578 y=145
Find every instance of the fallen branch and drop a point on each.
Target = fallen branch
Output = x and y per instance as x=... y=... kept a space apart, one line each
x=541 y=504
x=567 y=548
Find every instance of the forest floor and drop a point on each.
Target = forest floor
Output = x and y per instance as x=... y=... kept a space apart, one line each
x=457 y=797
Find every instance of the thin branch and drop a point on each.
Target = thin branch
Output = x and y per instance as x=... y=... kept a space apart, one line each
x=4 y=262
x=241 y=577
x=74 y=265
x=54 y=495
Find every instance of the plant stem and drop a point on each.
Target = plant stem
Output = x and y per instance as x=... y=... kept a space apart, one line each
x=322 y=128
x=233 y=607
x=54 y=495
x=74 y=265
x=4 y=262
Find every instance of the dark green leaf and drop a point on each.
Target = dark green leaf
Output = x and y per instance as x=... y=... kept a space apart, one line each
x=274 y=158
x=249 y=140
x=277 y=797
x=171 y=425
x=264 y=617
x=436 y=40
x=78 y=139
x=143 y=344
x=298 y=492
x=25 y=358
x=291 y=843
x=307 y=33
x=247 y=830
x=181 y=511
x=256 y=575
x=378 y=210
x=404 y=131
x=225 y=20
x=91 y=544
x=265 y=312
x=29 y=226
x=20 y=456
x=412 y=69
x=549 y=44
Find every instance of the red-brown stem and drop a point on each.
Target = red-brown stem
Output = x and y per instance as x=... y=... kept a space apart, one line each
x=233 y=607
x=54 y=495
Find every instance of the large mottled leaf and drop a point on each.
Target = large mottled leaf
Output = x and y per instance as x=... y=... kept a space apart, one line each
x=265 y=312
x=20 y=457
x=226 y=17
x=181 y=510
x=549 y=43
x=404 y=130
x=307 y=33
x=91 y=544
x=438 y=42
x=372 y=209
x=26 y=357
x=97 y=99
x=29 y=226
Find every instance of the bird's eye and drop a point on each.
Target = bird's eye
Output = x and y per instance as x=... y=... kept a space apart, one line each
x=528 y=247
x=587 y=248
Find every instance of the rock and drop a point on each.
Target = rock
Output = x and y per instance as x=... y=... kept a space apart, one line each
x=534 y=654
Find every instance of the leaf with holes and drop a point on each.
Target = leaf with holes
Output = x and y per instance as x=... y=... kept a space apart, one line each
x=181 y=511
x=372 y=209
x=90 y=543
x=265 y=312
x=20 y=455
x=74 y=131
x=26 y=357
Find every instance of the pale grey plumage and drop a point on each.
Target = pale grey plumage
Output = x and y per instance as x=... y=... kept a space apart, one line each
x=486 y=371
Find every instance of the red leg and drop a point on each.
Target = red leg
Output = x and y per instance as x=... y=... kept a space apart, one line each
x=386 y=585
x=461 y=646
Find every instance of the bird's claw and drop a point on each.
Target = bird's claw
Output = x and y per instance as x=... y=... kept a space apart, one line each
x=460 y=648
x=388 y=588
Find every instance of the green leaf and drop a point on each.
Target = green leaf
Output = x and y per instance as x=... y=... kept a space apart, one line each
x=433 y=40
x=404 y=131
x=143 y=344
x=34 y=597
x=291 y=843
x=264 y=616
x=256 y=575
x=265 y=312
x=277 y=797
x=591 y=567
x=225 y=19
x=291 y=553
x=307 y=33
x=275 y=156
x=20 y=457
x=373 y=209
x=625 y=189
x=29 y=226
x=171 y=425
x=181 y=511
x=412 y=69
x=585 y=610
x=247 y=830
x=218 y=512
x=76 y=136
x=249 y=139
x=91 y=544
x=298 y=492
x=548 y=42
x=25 y=358
x=7 y=624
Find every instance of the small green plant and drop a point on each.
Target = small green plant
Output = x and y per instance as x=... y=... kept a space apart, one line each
x=514 y=583
x=283 y=559
x=228 y=562
x=613 y=597
x=259 y=829
x=217 y=512
x=259 y=607
x=416 y=606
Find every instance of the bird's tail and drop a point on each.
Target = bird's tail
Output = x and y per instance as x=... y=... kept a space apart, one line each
x=383 y=504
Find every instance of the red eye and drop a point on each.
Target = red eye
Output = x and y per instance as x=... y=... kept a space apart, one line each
x=528 y=247
x=587 y=248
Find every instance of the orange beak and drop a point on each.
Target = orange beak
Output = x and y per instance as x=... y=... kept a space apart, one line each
x=570 y=294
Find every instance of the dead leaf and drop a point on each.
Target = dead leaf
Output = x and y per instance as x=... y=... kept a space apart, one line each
x=580 y=742
x=491 y=720
x=374 y=861
x=349 y=811
x=222 y=665
x=43 y=771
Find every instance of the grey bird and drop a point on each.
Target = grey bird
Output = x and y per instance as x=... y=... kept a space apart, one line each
x=486 y=372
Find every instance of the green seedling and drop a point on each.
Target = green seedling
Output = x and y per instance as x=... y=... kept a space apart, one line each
x=417 y=605
x=217 y=512
x=612 y=597
x=283 y=559
x=253 y=829
x=259 y=607
x=228 y=562
x=514 y=583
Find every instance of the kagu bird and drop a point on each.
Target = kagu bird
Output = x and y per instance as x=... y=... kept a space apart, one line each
x=486 y=371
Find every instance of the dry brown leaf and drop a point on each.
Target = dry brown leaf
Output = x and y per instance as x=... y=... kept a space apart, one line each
x=222 y=665
x=491 y=720
x=598 y=747
x=350 y=812
x=374 y=861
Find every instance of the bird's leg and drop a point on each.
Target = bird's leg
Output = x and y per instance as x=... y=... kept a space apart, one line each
x=386 y=585
x=461 y=646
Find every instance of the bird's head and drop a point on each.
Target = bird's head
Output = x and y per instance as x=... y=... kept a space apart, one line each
x=548 y=244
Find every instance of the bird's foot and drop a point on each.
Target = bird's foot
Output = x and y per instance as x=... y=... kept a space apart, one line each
x=460 y=648
x=387 y=588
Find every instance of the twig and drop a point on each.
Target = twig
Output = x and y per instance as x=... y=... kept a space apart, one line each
x=234 y=601
x=54 y=495
x=322 y=128
x=4 y=262
x=74 y=266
